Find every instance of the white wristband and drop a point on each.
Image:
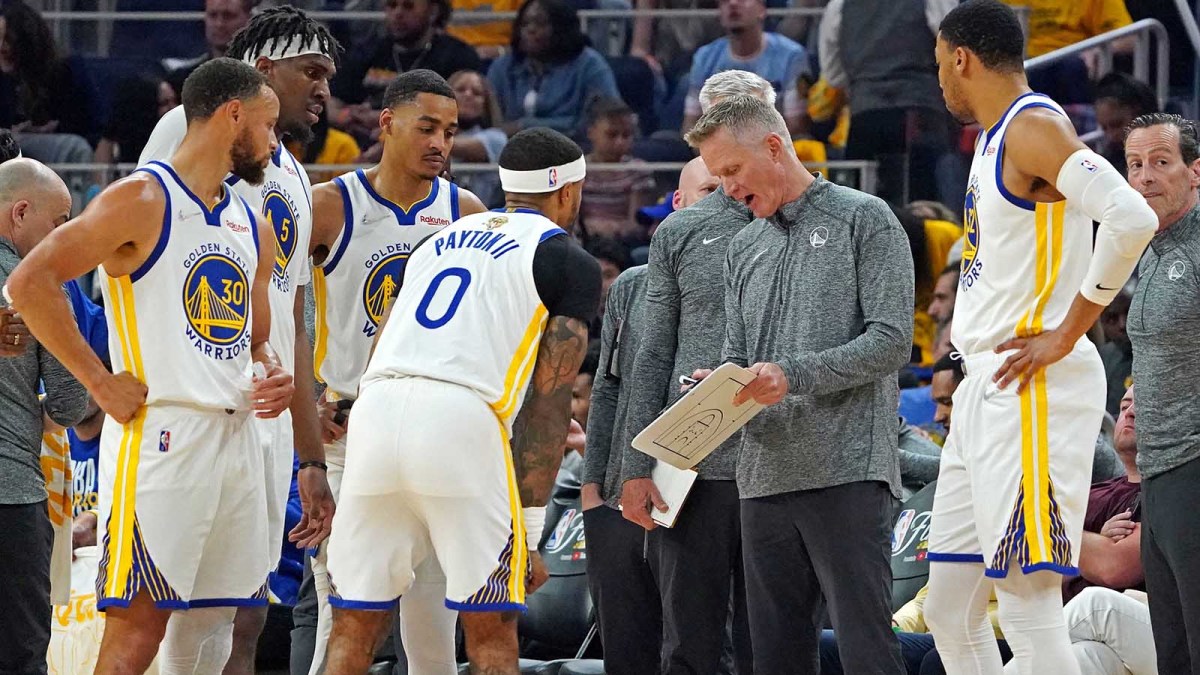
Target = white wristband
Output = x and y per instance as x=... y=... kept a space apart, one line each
x=535 y=522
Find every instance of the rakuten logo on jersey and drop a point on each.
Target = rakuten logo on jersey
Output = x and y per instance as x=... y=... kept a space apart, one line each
x=433 y=220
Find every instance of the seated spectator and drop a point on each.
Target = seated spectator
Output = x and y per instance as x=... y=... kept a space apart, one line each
x=411 y=37
x=931 y=210
x=939 y=309
x=920 y=459
x=1116 y=352
x=551 y=75
x=747 y=46
x=1119 y=99
x=947 y=375
x=222 y=18
x=39 y=91
x=138 y=104
x=479 y=138
x=1110 y=633
x=611 y=198
x=1110 y=551
x=328 y=146
x=924 y=277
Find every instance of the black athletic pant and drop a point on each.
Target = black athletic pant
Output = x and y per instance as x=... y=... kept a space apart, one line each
x=25 y=596
x=1171 y=561
x=698 y=561
x=805 y=550
x=624 y=593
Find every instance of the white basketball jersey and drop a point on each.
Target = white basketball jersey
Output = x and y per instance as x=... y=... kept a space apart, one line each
x=358 y=277
x=1023 y=262
x=181 y=322
x=285 y=200
x=469 y=312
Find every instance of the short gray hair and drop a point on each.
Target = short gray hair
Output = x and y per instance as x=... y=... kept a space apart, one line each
x=730 y=83
x=738 y=114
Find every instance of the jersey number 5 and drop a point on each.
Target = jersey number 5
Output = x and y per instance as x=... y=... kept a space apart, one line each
x=435 y=287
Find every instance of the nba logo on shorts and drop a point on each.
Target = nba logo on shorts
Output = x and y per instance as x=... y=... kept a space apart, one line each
x=164 y=440
x=553 y=176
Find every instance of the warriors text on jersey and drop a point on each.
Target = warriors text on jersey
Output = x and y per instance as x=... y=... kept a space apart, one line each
x=1023 y=262
x=363 y=270
x=181 y=322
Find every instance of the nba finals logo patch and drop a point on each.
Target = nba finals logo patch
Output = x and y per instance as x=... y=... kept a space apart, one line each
x=553 y=176
x=281 y=216
x=496 y=222
x=216 y=301
x=383 y=278
x=164 y=440
x=971 y=264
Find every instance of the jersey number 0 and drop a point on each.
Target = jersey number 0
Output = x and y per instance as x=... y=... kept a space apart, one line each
x=435 y=288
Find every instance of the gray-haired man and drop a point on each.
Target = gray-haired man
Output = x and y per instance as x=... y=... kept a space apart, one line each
x=818 y=303
x=684 y=297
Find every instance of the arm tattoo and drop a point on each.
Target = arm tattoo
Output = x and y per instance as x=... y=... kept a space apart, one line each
x=540 y=430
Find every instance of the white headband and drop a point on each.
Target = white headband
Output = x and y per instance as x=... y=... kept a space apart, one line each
x=296 y=46
x=542 y=180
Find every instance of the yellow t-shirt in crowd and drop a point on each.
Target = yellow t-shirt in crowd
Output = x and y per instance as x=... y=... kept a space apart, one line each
x=340 y=148
x=489 y=34
x=1054 y=24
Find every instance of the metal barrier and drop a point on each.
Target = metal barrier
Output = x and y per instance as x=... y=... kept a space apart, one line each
x=1143 y=29
x=858 y=174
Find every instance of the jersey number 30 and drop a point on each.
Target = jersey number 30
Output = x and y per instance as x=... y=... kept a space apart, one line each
x=435 y=292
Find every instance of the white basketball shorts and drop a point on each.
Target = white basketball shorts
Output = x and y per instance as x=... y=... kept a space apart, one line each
x=428 y=473
x=1016 y=469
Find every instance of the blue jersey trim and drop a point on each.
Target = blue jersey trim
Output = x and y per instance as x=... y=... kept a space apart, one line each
x=231 y=180
x=104 y=603
x=347 y=228
x=213 y=216
x=955 y=557
x=453 y=203
x=551 y=233
x=163 y=236
x=991 y=132
x=403 y=216
x=520 y=209
x=365 y=605
x=1065 y=570
x=1013 y=199
x=486 y=606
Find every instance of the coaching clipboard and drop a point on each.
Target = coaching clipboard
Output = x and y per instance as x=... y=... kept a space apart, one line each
x=701 y=420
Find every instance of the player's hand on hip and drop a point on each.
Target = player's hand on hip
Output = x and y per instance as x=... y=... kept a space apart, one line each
x=273 y=394
x=120 y=396
x=1033 y=355
x=538 y=576
x=589 y=496
x=327 y=412
x=14 y=335
x=638 y=496
x=769 y=386
x=316 y=508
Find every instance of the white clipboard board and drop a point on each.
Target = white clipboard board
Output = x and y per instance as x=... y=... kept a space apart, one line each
x=698 y=423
